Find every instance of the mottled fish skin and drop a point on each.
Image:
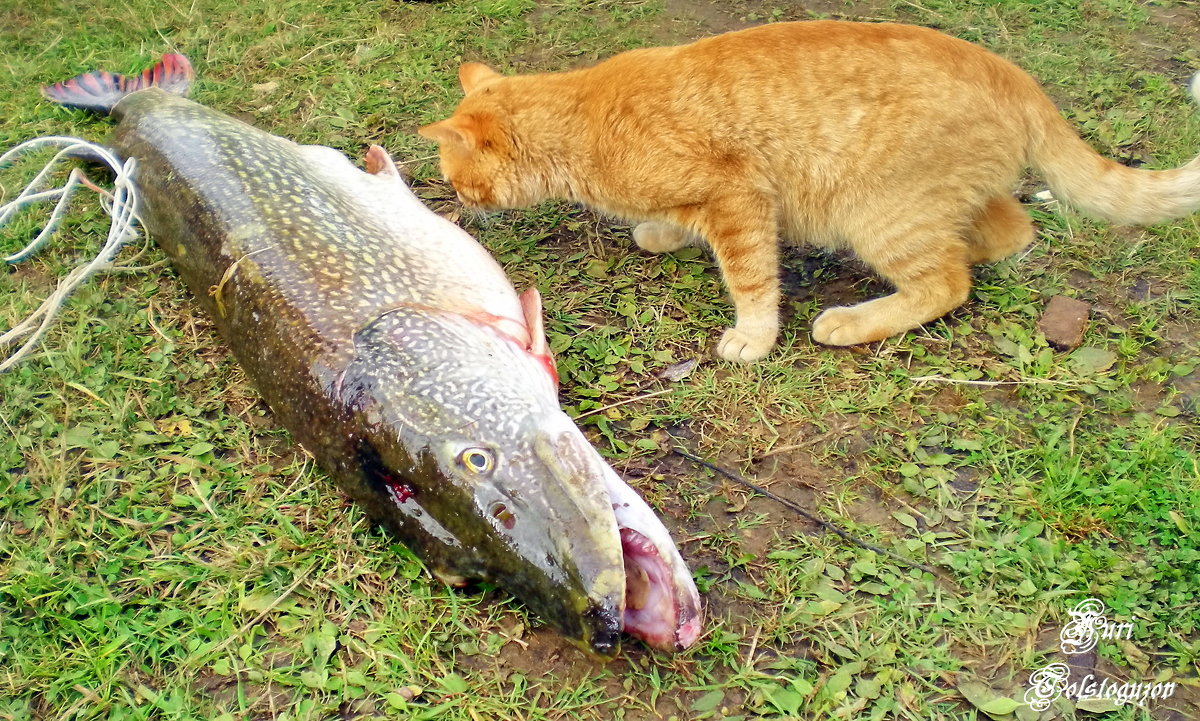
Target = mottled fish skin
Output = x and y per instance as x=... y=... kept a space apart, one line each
x=393 y=348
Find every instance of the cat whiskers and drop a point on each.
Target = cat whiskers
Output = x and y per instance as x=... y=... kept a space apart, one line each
x=478 y=215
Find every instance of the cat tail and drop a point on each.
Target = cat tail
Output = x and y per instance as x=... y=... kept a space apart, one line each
x=100 y=90
x=1103 y=188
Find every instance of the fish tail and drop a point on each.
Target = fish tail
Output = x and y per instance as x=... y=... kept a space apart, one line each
x=100 y=90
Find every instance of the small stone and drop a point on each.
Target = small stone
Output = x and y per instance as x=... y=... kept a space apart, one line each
x=1143 y=290
x=1063 y=322
x=1188 y=386
x=408 y=693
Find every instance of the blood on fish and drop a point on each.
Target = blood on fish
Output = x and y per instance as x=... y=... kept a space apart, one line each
x=399 y=491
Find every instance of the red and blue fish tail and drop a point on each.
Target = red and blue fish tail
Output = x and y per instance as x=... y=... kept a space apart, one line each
x=100 y=90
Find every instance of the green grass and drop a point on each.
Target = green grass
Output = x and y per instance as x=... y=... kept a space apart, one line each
x=167 y=553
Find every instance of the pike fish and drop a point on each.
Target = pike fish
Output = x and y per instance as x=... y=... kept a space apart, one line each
x=393 y=347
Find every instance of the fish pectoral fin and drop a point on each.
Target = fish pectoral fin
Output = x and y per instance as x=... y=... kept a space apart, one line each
x=379 y=163
x=387 y=180
x=531 y=308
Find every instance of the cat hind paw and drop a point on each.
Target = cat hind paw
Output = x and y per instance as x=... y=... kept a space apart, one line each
x=843 y=327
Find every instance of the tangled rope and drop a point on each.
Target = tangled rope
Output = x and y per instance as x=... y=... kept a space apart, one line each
x=122 y=209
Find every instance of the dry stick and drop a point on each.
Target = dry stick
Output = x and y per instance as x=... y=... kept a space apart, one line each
x=257 y=619
x=845 y=535
x=1022 y=382
x=815 y=440
x=601 y=409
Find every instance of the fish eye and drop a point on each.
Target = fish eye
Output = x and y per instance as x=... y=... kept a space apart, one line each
x=477 y=460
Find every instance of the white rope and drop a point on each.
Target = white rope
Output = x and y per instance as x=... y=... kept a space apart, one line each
x=122 y=209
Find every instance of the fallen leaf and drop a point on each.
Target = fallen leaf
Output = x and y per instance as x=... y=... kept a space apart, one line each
x=986 y=699
x=1097 y=705
x=679 y=371
x=1090 y=360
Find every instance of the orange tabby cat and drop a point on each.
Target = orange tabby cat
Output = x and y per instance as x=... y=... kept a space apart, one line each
x=898 y=142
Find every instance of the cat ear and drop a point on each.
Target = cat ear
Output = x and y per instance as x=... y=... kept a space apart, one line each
x=470 y=75
x=454 y=130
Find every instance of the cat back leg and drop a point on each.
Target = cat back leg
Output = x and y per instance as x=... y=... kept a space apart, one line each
x=1001 y=229
x=931 y=276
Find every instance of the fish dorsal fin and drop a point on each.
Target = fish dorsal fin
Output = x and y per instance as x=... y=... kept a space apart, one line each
x=380 y=164
x=531 y=308
x=380 y=181
x=386 y=175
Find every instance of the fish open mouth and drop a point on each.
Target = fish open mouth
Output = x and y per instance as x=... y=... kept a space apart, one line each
x=654 y=609
x=651 y=594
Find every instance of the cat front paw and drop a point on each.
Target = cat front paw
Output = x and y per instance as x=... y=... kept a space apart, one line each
x=845 y=326
x=742 y=346
x=658 y=237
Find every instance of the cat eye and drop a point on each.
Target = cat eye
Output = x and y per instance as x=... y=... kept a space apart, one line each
x=477 y=460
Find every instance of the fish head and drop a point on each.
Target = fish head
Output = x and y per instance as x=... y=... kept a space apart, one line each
x=558 y=547
x=468 y=457
x=557 y=492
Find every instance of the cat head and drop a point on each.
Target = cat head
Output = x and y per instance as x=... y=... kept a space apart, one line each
x=478 y=147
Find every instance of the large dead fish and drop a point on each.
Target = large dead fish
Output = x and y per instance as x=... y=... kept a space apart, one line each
x=393 y=347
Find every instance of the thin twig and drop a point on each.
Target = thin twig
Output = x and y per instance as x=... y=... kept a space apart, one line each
x=601 y=409
x=331 y=42
x=1022 y=382
x=127 y=521
x=792 y=505
x=88 y=392
x=922 y=8
x=203 y=500
x=410 y=161
x=748 y=663
x=261 y=615
x=815 y=440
